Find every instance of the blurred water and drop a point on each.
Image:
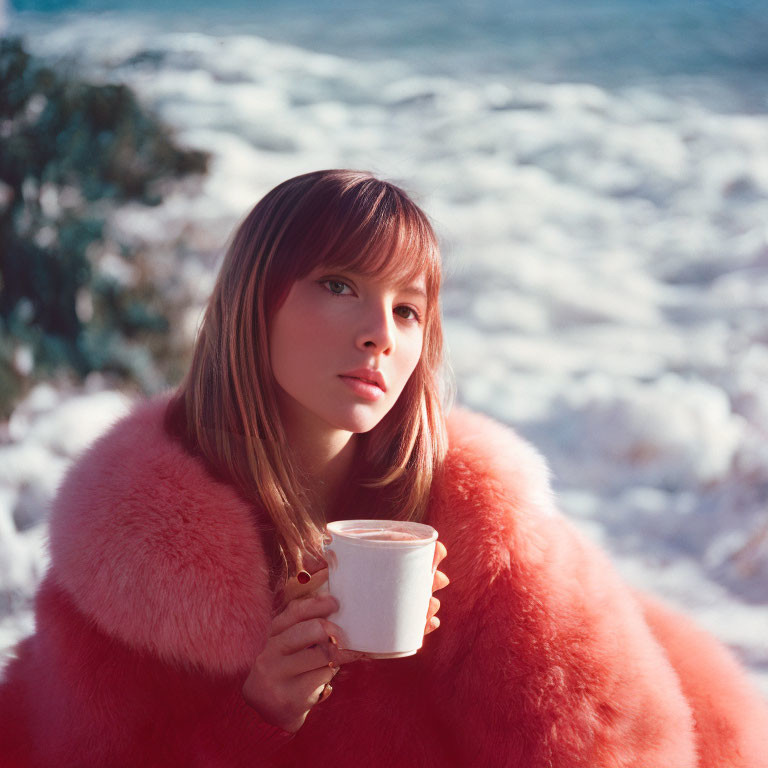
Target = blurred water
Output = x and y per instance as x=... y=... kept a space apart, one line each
x=712 y=49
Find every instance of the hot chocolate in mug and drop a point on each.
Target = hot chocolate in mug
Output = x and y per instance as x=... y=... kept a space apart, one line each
x=380 y=571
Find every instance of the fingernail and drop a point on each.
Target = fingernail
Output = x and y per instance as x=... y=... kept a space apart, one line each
x=303 y=577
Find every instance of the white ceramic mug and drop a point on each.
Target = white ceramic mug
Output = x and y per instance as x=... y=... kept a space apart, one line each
x=380 y=571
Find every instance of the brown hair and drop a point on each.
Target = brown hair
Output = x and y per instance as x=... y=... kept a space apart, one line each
x=226 y=407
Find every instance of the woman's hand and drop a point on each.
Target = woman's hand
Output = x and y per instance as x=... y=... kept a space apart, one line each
x=440 y=580
x=289 y=675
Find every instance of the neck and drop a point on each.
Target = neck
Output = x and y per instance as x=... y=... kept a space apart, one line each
x=327 y=468
x=325 y=457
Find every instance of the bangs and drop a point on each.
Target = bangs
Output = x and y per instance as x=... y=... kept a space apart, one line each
x=379 y=232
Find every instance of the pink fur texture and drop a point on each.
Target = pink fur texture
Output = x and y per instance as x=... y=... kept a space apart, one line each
x=157 y=600
x=158 y=553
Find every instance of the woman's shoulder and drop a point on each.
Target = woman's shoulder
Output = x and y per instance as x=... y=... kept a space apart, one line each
x=135 y=477
x=492 y=496
x=156 y=550
x=486 y=455
x=137 y=453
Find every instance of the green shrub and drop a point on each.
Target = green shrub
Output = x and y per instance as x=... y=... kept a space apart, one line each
x=70 y=152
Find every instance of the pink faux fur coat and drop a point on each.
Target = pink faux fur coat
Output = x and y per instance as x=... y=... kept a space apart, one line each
x=157 y=601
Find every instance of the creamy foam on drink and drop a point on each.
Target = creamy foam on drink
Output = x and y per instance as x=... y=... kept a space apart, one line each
x=379 y=534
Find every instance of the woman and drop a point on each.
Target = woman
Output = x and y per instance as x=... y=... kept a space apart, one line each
x=180 y=622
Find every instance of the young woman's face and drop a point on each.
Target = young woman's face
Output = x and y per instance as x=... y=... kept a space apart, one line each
x=336 y=322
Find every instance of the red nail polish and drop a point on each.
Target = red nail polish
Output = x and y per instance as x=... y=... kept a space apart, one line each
x=303 y=577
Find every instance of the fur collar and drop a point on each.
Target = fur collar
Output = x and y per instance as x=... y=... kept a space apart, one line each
x=160 y=554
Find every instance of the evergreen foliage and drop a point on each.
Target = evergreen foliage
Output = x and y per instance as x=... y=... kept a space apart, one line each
x=70 y=152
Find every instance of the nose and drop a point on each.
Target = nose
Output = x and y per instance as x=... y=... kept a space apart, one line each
x=377 y=330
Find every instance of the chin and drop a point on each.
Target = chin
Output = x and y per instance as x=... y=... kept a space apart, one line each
x=358 y=423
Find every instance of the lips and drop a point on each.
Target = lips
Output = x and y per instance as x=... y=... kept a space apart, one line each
x=367 y=381
x=369 y=375
x=363 y=389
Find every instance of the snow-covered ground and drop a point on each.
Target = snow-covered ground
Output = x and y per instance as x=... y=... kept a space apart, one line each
x=606 y=294
x=45 y=433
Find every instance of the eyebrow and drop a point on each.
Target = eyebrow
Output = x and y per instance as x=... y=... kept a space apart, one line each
x=413 y=290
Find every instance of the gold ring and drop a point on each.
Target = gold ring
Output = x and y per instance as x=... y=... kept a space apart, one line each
x=326 y=692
